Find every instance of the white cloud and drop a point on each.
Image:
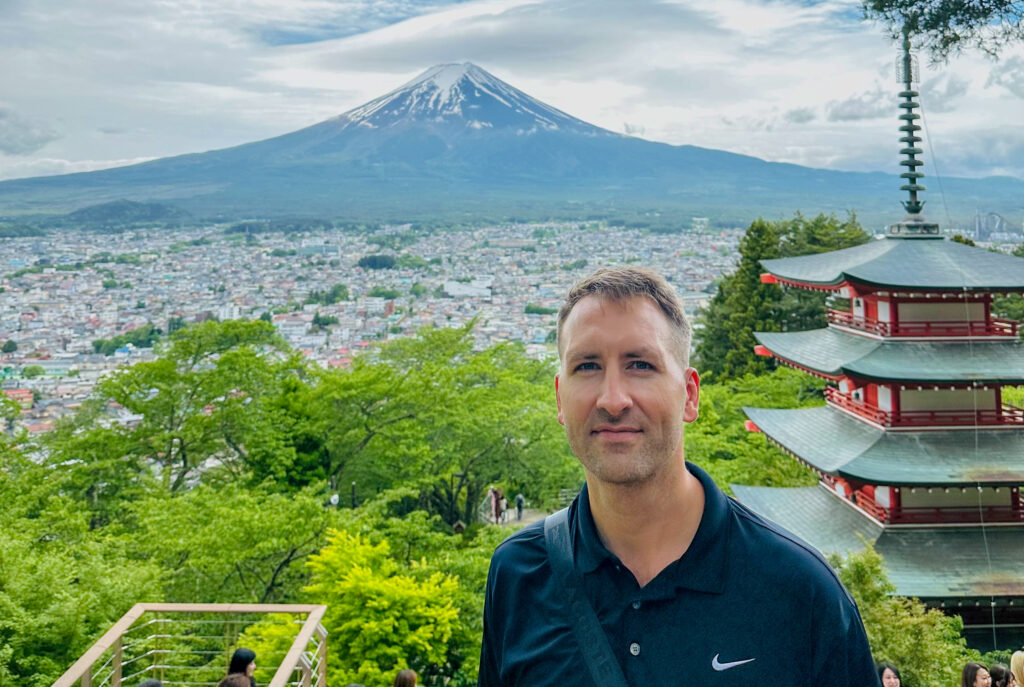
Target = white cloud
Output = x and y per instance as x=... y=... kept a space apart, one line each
x=867 y=105
x=20 y=135
x=781 y=79
x=42 y=166
x=1009 y=75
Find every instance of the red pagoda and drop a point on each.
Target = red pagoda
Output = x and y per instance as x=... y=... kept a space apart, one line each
x=915 y=447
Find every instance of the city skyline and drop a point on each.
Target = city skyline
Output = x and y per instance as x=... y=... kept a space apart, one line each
x=804 y=82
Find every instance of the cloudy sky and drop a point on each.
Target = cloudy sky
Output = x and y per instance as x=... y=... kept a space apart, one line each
x=87 y=84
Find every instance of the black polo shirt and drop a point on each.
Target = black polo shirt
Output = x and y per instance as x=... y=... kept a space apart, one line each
x=748 y=603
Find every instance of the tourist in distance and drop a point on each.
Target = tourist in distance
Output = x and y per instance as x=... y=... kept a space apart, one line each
x=1000 y=675
x=888 y=675
x=243 y=661
x=975 y=675
x=1017 y=667
x=653 y=572
x=406 y=678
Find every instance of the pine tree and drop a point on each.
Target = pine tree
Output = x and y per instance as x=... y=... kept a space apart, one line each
x=742 y=306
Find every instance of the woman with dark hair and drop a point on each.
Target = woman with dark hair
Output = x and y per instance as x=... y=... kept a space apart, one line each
x=888 y=675
x=1000 y=675
x=405 y=678
x=243 y=661
x=975 y=675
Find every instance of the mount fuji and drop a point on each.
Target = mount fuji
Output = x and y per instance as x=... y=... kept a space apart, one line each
x=457 y=141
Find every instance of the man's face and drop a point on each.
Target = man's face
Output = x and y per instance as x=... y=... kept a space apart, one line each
x=622 y=393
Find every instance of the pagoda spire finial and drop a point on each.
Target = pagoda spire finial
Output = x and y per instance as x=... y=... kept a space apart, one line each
x=906 y=68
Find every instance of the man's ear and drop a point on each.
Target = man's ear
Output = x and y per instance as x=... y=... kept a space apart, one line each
x=558 y=402
x=692 y=395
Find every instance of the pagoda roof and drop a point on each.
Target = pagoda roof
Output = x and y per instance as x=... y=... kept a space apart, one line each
x=837 y=528
x=833 y=352
x=833 y=442
x=906 y=264
x=930 y=563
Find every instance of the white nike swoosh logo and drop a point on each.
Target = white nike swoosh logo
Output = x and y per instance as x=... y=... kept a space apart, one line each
x=725 y=666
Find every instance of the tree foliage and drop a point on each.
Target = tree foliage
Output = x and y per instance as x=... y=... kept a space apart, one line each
x=200 y=401
x=719 y=442
x=228 y=543
x=400 y=593
x=946 y=27
x=208 y=475
x=924 y=643
x=140 y=337
x=743 y=305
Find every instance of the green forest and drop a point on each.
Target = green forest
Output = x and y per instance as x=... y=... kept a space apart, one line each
x=220 y=487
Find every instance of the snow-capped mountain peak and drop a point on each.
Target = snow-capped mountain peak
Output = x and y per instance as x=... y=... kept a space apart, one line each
x=464 y=95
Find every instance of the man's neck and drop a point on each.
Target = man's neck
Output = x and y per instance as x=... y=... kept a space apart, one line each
x=650 y=525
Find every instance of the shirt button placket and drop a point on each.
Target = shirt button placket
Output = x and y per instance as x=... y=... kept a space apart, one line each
x=634 y=649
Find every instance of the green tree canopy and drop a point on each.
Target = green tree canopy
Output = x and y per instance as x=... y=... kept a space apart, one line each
x=32 y=371
x=945 y=27
x=743 y=305
x=924 y=643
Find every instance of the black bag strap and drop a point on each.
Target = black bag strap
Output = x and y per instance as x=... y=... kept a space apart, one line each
x=604 y=668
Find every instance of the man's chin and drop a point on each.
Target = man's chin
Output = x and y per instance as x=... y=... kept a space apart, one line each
x=607 y=472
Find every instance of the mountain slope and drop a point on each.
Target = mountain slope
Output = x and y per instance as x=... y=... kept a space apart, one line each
x=458 y=140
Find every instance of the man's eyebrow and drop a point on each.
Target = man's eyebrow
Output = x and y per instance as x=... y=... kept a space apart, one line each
x=642 y=352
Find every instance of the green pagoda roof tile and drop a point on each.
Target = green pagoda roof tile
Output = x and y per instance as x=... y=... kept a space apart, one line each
x=908 y=264
x=815 y=514
x=834 y=352
x=929 y=563
x=965 y=562
x=834 y=442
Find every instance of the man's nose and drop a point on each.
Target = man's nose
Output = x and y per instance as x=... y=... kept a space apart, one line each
x=615 y=398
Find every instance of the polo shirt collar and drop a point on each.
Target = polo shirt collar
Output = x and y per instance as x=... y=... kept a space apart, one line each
x=702 y=568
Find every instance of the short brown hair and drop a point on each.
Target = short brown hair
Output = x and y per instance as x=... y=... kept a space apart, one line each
x=623 y=283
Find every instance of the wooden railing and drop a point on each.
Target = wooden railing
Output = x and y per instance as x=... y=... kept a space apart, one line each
x=995 y=326
x=1005 y=415
x=126 y=654
x=940 y=515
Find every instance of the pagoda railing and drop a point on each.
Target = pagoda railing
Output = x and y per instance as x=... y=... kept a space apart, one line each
x=190 y=644
x=995 y=326
x=933 y=515
x=987 y=417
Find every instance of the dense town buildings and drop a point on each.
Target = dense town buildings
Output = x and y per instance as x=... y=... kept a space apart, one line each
x=62 y=292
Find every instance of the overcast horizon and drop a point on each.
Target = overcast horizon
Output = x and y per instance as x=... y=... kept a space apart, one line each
x=91 y=86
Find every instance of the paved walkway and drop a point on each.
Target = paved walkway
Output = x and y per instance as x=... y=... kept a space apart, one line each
x=529 y=515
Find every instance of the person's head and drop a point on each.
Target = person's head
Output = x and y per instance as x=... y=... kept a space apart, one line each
x=243 y=661
x=624 y=390
x=1000 y=675
x=236 y=680
x=405 y=678
x=975 y=675
x=626 y=283
x=1017 y=667
x=888 y=675
x=151 y=682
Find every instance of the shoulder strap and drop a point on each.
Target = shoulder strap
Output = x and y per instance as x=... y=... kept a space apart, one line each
x=593 y=642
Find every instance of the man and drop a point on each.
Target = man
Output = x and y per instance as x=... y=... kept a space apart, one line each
x=688 y=587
